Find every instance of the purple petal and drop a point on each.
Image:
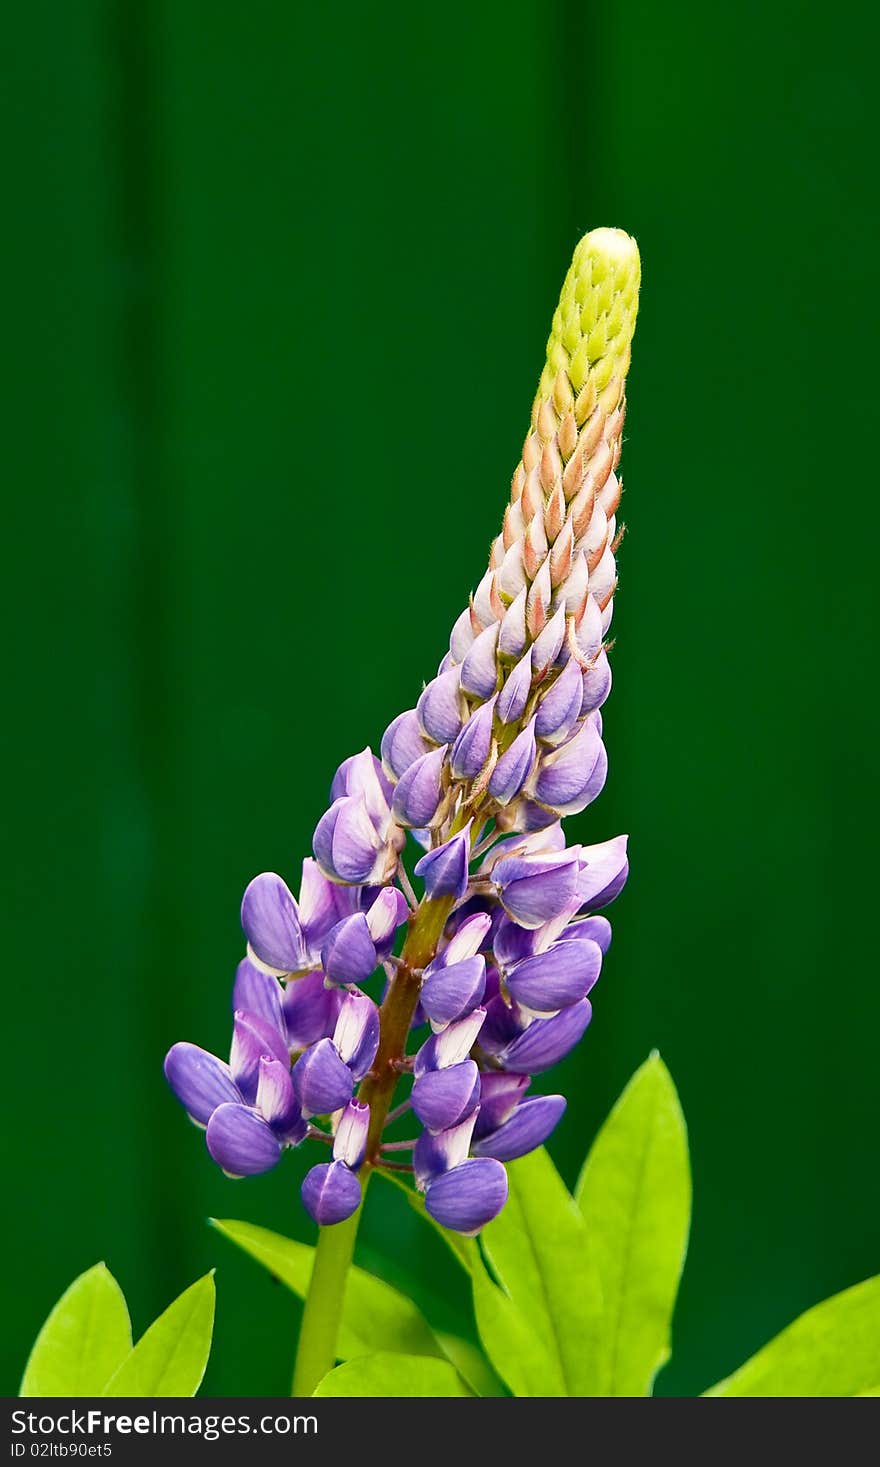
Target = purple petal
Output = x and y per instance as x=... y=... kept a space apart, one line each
x=547 y=1041
x=514 y=767
x=310 y=1010
x=512 y=637
x=479 y=671
x=557 y=978
x=321 y=1081
x=594 y=929
x=603 y=872
x=348 y=954
x=445 y=869
x=500 y=1094
x=573 y=775
x=467 y=939
x=513 y=942
x=471 y=749
x=252 y=1037
x=241 y=1141
x=388 y=912
x=560 y=707
x=451 y=1046
x=468 y=1197
x=503 y=1025
x=346 y=844
x=270 y=920
x=322 y=903
x=548 y=643
x=356 y=1035
x=440 y=706
x=589 y=633
x=419 y=791
x=330 y=1192
x=350 y=1141
x=362 y=775
x=462 y=637
x=200 y=1081
x=528 y=1127
x=514 y=695
x=448 y=992
x=596 y=684
x=403 y=743
x=276 y=1100
x=257 y=993
x=535 y=889
x=438 y=1153
x=442 y=1098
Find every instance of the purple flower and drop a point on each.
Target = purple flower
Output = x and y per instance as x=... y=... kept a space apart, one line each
x=479 y=672
x=545 y=1042
x=527 y=1128
x=330 y=1192
x=402 y=744
x=514 y=767
x=356 y=945
x=472 y=747
x=555 y=979
x=440 y=707
x=567 y=780
x=444 y=870
x=450 y=990
x=419 y=792
x=447 y=1083
x=603 y=872
x=469 y=1196
x=535 y=888
x=248 y=1107
x=325 y=1074
x=560 y=707
x=514 y=695
x=348 y=847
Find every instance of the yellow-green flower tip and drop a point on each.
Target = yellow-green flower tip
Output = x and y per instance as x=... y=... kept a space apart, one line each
x=595 y=320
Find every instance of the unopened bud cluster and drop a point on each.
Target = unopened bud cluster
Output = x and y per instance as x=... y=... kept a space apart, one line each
x=503 y=742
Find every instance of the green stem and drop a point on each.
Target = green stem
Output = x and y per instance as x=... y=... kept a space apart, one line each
x=317 y=1349
x=316 y=1352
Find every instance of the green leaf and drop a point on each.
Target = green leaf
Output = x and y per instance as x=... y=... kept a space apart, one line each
x=472 y=1365
x=389 y=1373
x=170 y=1358
x=832 y=1350
x=374 y=1315
x=83 y=1341
x=516 y=1350
x=635 y=1196
x=539 y=1249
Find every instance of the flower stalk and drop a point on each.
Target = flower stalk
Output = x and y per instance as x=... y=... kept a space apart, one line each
x=489 y=968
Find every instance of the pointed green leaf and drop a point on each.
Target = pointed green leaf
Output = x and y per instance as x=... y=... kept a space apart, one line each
x=374 y=1316
x=635 y=1196
x=83 y=1341
x=517 y=1351
x=539 y=1249
x=832 y=1350
x=170 y=1358
x=471 y=1364
x=391 y=1374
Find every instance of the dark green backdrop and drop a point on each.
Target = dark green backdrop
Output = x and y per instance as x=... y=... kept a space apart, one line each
x=281 y=278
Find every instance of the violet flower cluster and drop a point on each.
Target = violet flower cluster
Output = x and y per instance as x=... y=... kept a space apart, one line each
x=490 y=968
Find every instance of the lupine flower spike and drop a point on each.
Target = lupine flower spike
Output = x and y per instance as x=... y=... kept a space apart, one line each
x=487 y=980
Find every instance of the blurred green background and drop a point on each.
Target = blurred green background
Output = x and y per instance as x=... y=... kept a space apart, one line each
x=280 y=281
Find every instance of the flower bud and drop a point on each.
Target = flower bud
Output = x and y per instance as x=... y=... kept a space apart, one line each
x=419 y=791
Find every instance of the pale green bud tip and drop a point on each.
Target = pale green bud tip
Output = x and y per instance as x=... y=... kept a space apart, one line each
x=594 y=322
